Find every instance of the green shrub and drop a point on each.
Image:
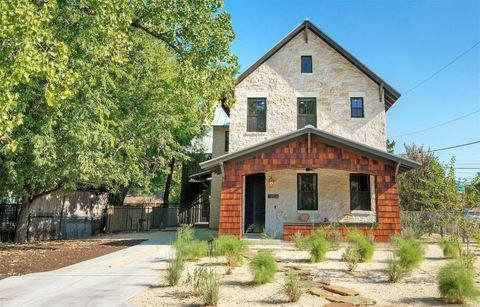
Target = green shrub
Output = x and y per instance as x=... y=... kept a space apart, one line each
x=231 y=247
x=476 y=235
x=451 y=246
x=185 y=233
x=456 y=283
x=263 y=267
x=395 y=270
x=351 y=257
x=410 y=252
x=334 y=237
x=191 y=250
x=468 y=259
x=174 y=270
x=364 y=248
x=292 y=287
x=205 y=284
x=319 y=247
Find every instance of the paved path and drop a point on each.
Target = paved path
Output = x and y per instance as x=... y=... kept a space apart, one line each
x=109 y=280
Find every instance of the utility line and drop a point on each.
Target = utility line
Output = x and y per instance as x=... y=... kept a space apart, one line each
x=441 y=69
x=455 y=146
x=437 y=125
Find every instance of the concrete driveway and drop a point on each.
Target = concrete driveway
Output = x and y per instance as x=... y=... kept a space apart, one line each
x=109 y=280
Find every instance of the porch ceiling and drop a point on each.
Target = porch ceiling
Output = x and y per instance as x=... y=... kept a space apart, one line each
x=403 y=164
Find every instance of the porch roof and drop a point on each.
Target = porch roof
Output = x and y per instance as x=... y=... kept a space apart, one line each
x=402 y=164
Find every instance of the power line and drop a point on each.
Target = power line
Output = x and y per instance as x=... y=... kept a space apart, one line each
x=455 y=146
x=441 y=69
x=437 y=125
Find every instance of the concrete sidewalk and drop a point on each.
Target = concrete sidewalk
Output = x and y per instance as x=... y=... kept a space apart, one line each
x=109 y=280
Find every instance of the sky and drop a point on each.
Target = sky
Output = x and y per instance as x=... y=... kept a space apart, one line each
x=404 y=42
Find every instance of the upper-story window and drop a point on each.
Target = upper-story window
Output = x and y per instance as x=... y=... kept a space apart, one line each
x=357 y=106
x=360 y=192
x=306 y=66
x=307 y=112
x=257 y=114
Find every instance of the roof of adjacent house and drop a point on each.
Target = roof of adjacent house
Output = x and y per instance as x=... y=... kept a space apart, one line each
x=327 y=138
x=220 y=118
x=391 y=95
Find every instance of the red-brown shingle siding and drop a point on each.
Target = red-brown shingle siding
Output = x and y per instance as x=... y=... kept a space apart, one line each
x=295 y=156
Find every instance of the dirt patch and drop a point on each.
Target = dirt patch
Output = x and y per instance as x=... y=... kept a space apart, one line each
x=20 y=259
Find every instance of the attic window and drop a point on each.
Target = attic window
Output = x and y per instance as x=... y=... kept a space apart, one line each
x=306 y=65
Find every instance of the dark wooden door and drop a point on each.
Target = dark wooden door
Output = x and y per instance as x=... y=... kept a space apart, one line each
x=254 y=202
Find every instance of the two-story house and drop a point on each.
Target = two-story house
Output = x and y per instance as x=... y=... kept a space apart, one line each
x=305 y=144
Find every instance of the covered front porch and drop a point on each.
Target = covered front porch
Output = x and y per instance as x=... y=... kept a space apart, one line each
x=306 y=179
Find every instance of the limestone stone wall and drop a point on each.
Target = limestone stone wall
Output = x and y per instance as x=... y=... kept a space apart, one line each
x=333 y=81
x=333 y=200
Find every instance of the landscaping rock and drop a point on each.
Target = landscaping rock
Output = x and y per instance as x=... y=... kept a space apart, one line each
x=354 y=300
x=323 y=281
x=319 y=291
x=341 y=290
x=338 y=305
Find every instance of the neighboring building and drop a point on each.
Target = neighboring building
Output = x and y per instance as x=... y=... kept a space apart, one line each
x=305 y=144
x=136 y=201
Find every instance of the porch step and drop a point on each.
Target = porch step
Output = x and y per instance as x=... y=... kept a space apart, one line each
x=201 y=225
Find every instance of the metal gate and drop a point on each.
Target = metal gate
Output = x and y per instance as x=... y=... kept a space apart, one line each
x=8 y=221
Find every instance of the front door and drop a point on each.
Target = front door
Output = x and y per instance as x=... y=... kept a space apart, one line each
x=254 y=203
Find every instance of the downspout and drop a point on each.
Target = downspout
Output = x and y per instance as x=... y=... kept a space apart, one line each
x=309 y=146
x=222 y=171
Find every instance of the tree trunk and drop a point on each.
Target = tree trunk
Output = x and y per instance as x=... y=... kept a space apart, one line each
x=118 y=198
x=168 y=183
x=22 y=220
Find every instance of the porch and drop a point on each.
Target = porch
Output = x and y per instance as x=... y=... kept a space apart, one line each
x=309 y=178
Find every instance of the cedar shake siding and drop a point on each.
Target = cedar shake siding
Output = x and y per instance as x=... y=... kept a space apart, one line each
x=294 y=155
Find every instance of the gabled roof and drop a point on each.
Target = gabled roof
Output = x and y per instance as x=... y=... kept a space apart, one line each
x=391 y=95
x=327 y=138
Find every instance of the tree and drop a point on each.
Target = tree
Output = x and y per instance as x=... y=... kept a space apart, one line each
x=147 y=76
x=390 y=146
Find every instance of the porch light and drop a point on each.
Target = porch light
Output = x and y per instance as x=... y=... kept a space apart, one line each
x=271 y=182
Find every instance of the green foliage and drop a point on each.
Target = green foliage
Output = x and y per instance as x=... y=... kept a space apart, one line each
x=231 y=247
x=468 y=259
x=351 y=257
x=92 y=91
x=364 y=248
x=319 y=247
x=185 y=233
x=450 y=246
x=395 y=269
x=334 y=237
x=300 y=241
x=174 y=270
x=291 y=287
x=205 y=284
x=410 y=252
x=192 y=250
x=263 y=267
x=456 y=283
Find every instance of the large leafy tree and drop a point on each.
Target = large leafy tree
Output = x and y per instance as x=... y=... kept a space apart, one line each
x=144 y=77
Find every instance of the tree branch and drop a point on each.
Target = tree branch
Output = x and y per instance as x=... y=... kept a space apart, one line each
x=160 y=36
x=56 y=188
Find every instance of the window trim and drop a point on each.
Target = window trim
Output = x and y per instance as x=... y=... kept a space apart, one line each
x=304 y=115
x=227 y=141
x=248 y=115
x=353 y=175
x=301 y=64
x=315 y=175
x=356 y=108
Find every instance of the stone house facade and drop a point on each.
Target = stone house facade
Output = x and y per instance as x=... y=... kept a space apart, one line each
x=306 y=144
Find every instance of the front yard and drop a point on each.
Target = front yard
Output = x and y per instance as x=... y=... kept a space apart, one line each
x=25 y=258
x=370 y=279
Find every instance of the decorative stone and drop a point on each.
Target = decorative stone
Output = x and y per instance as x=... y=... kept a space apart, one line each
x=304 y=217
x=331 y=304
x=341 y=290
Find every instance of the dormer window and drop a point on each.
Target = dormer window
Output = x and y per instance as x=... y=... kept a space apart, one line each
x=306 y=64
